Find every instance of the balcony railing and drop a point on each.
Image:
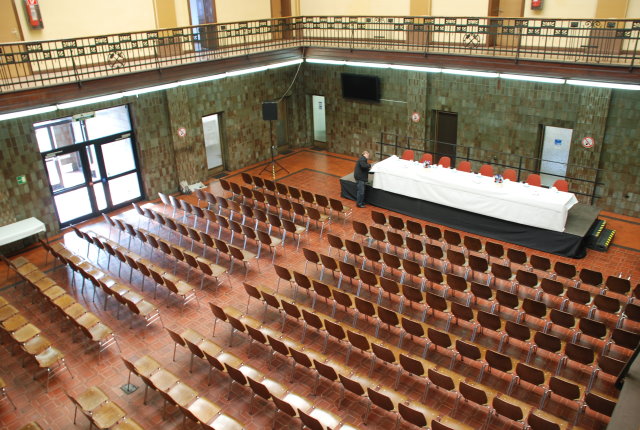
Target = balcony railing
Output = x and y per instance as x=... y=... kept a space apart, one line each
x=577 y=41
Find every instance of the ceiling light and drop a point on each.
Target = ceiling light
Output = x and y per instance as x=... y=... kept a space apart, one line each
x=202 y=79
x=416 y=68
x=532 y=78
x=89 y=101
x=365 y=64
x=470 y=73
x=147 y=90
x=247 y=71
x=603 y=85
x=28 y=112
x=321 y=61
x=284 y=64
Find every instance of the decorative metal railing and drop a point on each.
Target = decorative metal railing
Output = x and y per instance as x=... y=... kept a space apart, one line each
x=45 y=63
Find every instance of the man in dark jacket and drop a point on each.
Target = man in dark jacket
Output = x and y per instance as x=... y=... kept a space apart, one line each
x=361 y=175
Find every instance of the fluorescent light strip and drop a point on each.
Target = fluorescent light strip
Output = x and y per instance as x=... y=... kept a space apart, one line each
x=416 y=68
x=365 y=64
x=89 y=101
x=603 y=85
x=470 y=73
x=532 y=78
x=202 y=79
x=29 y=112
x=147 y=90
x=321 y=61
x=285 y=64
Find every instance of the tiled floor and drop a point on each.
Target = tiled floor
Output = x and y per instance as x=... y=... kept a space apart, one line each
x=312 y=170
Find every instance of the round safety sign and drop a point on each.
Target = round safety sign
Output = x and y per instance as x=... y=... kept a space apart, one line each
x=415 y=117
x=182 y=132
x=588 y=142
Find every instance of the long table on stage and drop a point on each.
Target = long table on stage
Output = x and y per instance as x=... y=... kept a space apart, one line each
x=570 y=221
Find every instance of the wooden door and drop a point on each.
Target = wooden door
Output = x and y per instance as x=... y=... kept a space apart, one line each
x=204 y=12
x=446 y=135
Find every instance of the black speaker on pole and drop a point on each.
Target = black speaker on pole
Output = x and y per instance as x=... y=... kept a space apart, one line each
x=270 y=111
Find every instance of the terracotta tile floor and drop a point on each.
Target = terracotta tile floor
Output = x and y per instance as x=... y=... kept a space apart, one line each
x=313 y=170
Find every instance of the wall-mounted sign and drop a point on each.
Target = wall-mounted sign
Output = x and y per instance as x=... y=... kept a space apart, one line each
x=21 y=180
x=182 y=132
x=415 y=117
x=588 y=142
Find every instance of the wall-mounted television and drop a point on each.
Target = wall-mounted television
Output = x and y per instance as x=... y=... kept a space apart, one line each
x=360 y=87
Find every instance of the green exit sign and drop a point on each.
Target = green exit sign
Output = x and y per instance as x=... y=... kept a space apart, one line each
x=21 y=180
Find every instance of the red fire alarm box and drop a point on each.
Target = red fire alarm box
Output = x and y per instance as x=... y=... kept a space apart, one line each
x=536 y=4
x=33 y=14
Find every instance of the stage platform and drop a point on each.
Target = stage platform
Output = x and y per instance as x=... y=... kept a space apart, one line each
x=569 y=243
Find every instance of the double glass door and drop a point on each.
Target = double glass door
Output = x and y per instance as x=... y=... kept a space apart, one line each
x=91 y=176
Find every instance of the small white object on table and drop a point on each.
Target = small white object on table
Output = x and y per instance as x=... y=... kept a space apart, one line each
x=510 y=201
x=19 y=230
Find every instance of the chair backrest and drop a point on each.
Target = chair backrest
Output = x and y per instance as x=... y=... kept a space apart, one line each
x=445 y=161
x=325 y=370
x=468 y=350
x=408 y=155
x=564 y=388
x=383 y=353
x=486 y=170
x=510 y=174
x=426 y=157
x=534 y=180
x=530 y=374
x=411 y=415
x=498 y=361
x=464 y=166
x=381 y=400
x=472 y=393
x=440 y=379
x=600 y=404
x=561 y=185
x=547 y=341
x=507 y=409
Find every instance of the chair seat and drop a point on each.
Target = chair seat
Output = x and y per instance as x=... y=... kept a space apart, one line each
x=225 y=422
x=100 y=331
x=25 y=333
x=210 y=348
x=7 y=312
x=14 y=323
x=163 y=379
x=275 y=388
x=146 y=308
x=49 y=357
x=146 y=366
x=247 y=255
x=182 y=394
x=64 y=301
x=297 y=402
x=36 y=276
x=132 y=297
x=192 y=336
x=106 y=415
x=91 y=399
x=36 y=345
x=203 y=410
x=25 y=269
x=127 y=424
x=74 y=311
x=44 y=284
x=87 y=320
x=54 y=292
x=184 y=288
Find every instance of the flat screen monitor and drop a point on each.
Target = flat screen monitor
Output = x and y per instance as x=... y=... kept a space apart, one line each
x=360 y=87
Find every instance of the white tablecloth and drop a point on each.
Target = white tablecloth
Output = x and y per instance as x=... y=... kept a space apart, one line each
x=511 y=201
x=19 y=230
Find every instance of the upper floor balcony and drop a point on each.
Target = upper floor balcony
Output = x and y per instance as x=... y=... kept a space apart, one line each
x=594 y=49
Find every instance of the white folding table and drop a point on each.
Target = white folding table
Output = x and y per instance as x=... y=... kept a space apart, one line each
x=20 y=230
x=510 y=201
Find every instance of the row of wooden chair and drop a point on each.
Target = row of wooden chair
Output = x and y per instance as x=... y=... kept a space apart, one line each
x=30 y=339
x=174 y=285
x=328 y=204
x=350 y=379
x=602 y=334
x=178 y=253
x=442 y=378
x=87 y=323
x=310 y=413
x=580 y=299
x=101 y=411
x=176 y=392
x=527 y=340
x=533 y=262
x=124 y=295
x=204 y=239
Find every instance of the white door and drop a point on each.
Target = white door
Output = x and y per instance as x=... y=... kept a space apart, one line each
x=555 y=154
x=319 y=124
x=212 y=144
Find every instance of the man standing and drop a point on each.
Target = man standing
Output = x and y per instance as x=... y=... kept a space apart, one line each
x=361 y=175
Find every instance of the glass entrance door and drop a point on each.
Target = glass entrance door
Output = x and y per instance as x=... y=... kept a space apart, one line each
x=91 y=163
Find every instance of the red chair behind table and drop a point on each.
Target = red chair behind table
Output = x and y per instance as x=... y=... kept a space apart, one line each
x=445 y=162
x=534 y=180
x=408 y=155
x=427 y=158
x=486 y=170
x=561 y=185
x=464 y=166
x=510 y=174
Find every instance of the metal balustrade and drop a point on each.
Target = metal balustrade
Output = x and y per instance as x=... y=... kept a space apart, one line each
x=34 y=64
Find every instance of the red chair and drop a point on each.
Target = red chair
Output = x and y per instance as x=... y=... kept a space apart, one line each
x=486 y=170
x=427 y=157
x=408 y=155
x=561 y=185
x=464 y=166
x=445 y=161
x=510 y=174
x=534 y=180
